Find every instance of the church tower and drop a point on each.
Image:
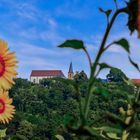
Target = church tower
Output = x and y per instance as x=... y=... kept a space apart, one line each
x=70 y=73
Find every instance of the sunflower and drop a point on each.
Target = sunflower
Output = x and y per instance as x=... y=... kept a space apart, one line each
x=138 y=19
x=6 y=109
x=133 y=9
x=7 y=66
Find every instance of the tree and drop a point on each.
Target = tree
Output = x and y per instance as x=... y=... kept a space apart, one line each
x=80 y=77
x=116 y=75
x=25 y=130
x=46 y=82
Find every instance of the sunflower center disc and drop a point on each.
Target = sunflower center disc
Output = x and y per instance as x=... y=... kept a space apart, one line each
x=2 y=106
x=2 y=66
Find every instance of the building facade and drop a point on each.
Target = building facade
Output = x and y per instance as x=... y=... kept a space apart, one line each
x=37 y=75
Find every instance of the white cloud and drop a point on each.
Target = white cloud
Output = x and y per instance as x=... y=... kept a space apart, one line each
x=48 y=32
x=27 y=11
x=73 y=10
x=52 y=23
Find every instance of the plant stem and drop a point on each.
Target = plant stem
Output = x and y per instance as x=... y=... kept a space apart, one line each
x=137 y=96
x=109 y=45
x=93 y=69
x=105 y=38
x=79 y=101
x=88 y=56
x=116 y=5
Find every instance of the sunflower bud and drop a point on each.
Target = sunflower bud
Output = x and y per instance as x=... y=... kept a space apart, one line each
x=130 y=112
x=138 y=19
x=128 y=120
x=133 y=9
x=122 y=111
x=125 y=135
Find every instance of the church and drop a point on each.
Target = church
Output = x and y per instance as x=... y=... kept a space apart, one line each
x=37 y=75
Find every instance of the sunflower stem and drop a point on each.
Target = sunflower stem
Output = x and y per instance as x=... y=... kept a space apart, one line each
x=94 y=66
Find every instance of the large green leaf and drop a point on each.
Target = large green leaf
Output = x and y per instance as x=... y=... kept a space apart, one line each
x=75 y=44
x=104 y=92
x=104 y=66
x=123 y=43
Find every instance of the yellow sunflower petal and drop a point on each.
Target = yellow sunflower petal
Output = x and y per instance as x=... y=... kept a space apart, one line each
x=8 y=63
x=6 y=109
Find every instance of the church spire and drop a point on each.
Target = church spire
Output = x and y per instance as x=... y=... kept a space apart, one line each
x=71 y=68
x=70 y=73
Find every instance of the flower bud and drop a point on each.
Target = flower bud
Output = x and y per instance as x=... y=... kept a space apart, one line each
x=130 y=112
x=128 y=120
x=133 y=9
x=138 y=19
x=122 y=111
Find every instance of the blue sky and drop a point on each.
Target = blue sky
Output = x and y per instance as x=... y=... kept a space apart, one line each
x=34 y=28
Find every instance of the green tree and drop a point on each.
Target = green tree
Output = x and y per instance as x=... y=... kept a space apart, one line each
x=80 y=77
x=25 y=130
x=116 y=75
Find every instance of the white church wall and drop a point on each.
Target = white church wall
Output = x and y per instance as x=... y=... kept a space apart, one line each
x=35 y=79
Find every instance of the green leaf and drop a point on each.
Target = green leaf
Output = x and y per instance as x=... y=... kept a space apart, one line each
x=104 y=66
x=92 y=131
x=108 y=129
x=128 y=82
x=68 y=119
x=136 y=130
x=107 y=12
x=103 y=92
x=75 y=44
x=124 y=44
x=59 y=137
x=115 y=119
x=113 y=136
x=134 y=64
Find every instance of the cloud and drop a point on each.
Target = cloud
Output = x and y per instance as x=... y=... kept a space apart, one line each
x=74 y=9
x=117 y=56
x=52 y=23
x=38 y=51
x=34 y=32
x=31 y=57
x=26 y=10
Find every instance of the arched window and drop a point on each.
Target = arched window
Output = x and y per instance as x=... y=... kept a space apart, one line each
x=34 y=81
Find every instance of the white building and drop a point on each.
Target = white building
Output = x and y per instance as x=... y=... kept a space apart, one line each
x=37 y=75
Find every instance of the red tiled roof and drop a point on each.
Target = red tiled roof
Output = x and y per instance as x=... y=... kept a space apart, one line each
x=54 y=73
x=136 y=81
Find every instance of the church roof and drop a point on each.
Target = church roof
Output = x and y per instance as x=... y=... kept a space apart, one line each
x=71 y=68
x=55 y=73
x=136 y=81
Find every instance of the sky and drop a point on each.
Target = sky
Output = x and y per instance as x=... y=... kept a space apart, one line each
x=34 y=29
